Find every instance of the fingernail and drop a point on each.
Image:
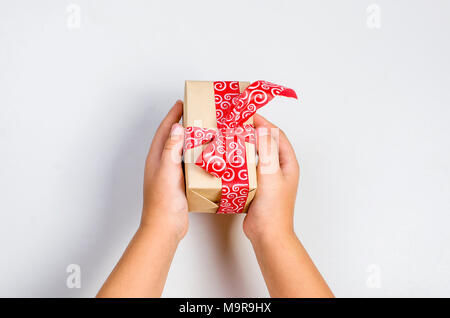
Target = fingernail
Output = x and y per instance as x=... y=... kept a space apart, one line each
x=177 y=130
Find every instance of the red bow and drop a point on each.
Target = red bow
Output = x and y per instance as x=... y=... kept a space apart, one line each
x=225 y=155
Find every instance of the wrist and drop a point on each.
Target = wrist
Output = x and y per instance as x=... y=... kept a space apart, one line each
x=168 y=223
x=272 y=237
x=160 y=230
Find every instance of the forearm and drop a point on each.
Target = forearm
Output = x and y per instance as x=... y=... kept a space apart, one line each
x=143 y=268
x=287 y=268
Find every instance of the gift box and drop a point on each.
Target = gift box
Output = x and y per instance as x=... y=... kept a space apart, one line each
x=203 y=190
x=220 y=152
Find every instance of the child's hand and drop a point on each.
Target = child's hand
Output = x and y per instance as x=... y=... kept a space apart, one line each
x=271 y=212
x=165 y=205
x=143 y=268
x=285 y=264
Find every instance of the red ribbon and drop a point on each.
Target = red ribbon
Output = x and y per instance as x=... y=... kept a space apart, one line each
x=225 y=155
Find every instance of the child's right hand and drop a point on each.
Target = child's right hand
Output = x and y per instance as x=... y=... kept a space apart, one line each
x=285 y=264
x=271 y=213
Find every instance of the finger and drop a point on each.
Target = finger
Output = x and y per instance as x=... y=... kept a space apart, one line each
x=173 y=147
x=268 y=162
x=288 y=159
x=162 y=133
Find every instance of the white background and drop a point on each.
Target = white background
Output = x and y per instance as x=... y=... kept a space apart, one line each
x=79 y=107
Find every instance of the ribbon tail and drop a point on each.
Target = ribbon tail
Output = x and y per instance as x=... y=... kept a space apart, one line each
x=289 y=92
x=255 y=96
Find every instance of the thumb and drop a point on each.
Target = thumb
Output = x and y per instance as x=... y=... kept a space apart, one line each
x=173 y=148
x=268 y=162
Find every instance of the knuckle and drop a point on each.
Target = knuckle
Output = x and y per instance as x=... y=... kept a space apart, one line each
x=170 y=144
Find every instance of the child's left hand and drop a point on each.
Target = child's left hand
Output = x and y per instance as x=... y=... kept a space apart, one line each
x=165 y=206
